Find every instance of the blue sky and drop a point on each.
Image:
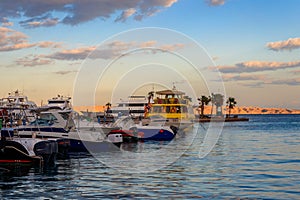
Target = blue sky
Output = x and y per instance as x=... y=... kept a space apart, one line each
x=253 y=43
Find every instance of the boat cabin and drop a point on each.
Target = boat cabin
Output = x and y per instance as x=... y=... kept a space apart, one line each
x=60 y=102
x=171 y=104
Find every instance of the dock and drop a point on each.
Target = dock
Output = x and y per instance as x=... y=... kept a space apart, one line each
x=234 y=118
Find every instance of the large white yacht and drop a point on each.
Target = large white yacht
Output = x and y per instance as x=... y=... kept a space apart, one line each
x=132 y=106
x=17 y=100
x=16 y=106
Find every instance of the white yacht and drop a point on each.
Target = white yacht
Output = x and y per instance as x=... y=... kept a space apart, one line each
x=17 y=100
x=59 y=102
x=57 y=123
x=15 y=106
x=132 y=106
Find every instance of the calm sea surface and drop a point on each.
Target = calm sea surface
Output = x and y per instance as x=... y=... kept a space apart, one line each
x=257 y=159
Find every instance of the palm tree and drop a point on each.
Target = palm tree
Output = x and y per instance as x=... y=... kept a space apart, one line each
x=203 y=101
x=218 y=100
x=212 y=103
x=108 y=105
x=231 y=104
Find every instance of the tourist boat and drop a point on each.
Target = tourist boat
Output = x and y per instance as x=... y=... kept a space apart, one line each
x=26 y=150
x=133 y=132
x=170 y=107
x=132 y=106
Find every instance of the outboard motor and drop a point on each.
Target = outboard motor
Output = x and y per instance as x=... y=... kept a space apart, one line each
x=63 y=148
x=174 y=129
x=48 y=150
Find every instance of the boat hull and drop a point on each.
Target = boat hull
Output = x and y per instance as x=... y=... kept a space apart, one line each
x=146 y=133
x=155 y=134
x=84 y=140
x=92 y=147
x=16 y=152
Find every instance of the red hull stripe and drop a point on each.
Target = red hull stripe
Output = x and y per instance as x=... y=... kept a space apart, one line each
x=15 y=161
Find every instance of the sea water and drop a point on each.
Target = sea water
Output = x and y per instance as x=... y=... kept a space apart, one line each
x=258 y=159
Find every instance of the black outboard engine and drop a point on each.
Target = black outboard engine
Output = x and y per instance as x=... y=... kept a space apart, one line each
x=174 y=129
x=63 y=148
x=48 y=149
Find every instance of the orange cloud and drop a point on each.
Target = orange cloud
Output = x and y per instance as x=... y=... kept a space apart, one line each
x=290 y=44
x=256 y=66
x=11 y=40
x=125 y=14
x=49 y=44
x=33 y=60
x=72 y=54
x=216 y=2
x=243 y=77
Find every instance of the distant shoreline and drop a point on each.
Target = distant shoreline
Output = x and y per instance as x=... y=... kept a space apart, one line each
x=248 y=110
x=242 y=110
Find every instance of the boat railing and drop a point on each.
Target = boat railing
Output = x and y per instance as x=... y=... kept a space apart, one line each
x=170 y=101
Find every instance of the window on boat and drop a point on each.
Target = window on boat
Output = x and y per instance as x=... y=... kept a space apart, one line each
x=45 y=119
x=48 y=116
x=157 y=109
x=56 y=102
x=65 y=116
x=167 y=109
x=136 y=104
x=11 y=100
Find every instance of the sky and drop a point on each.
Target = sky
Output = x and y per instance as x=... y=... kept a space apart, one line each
x=108 y=49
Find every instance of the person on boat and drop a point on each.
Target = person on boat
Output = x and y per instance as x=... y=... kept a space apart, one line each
x=104 y=118
x=159 y=101
x=119 y=114
x=173 y=110
x=147 y=109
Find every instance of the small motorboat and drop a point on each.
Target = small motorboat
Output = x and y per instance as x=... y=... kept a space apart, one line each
x=132 y=132
x=161 y=133
x=26 y=150
x=128 y=135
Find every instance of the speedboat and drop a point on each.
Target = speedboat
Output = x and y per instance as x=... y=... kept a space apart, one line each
x=133 y=132
x=26 y=150
x=57 y=123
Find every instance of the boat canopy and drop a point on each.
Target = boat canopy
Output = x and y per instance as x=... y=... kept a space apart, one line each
x=170 y=92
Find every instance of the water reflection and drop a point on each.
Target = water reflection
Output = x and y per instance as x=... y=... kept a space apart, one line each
x=245 y=163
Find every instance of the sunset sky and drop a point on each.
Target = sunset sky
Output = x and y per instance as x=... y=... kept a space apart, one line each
x=254 y=44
